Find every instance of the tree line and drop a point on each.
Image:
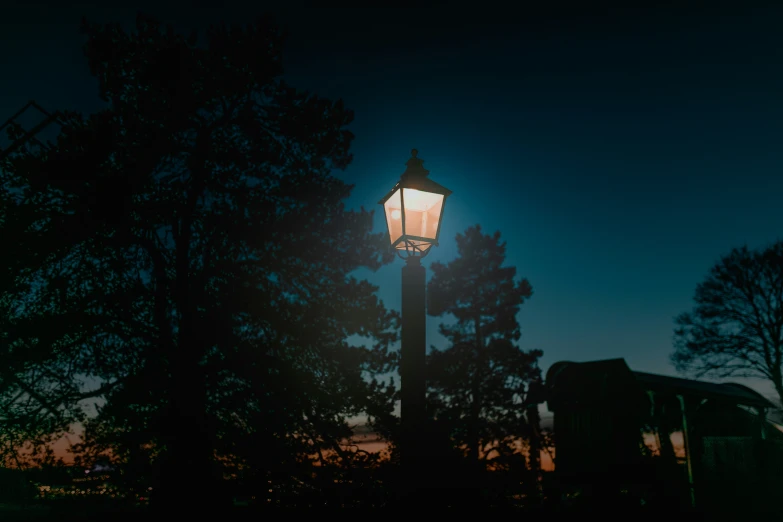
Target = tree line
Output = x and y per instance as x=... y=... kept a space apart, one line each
x=181 y=260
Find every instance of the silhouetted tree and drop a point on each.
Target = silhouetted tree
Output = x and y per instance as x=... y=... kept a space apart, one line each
x=478 y=384
x=736 y=326
x=38 y=386
x=207 y=236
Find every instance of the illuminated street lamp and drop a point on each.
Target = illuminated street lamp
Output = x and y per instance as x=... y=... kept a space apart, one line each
x=413 y=210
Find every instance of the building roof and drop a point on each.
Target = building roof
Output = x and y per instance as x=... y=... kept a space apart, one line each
x=776 y=416
x=571 y=378
x=734 y=392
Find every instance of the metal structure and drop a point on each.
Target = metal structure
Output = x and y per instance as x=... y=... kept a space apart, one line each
x=29 y=135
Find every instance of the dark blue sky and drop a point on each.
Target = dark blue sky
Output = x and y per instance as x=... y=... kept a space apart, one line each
x=620 y=153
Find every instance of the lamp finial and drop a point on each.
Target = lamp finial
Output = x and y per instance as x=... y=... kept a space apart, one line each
x=415 y=166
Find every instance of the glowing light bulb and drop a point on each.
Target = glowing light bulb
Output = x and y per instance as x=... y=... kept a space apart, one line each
x=395 y=214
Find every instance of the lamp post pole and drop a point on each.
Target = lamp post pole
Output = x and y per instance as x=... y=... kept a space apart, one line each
x=413 y=414
x=413 y=210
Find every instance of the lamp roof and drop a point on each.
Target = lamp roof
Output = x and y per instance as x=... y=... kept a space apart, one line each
x=415 y=177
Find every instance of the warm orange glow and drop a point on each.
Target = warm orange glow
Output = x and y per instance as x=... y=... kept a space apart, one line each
x=652 y=442
x=547 y=464
x=420 y=201
x=393 y=208
x=422 y=211
x=678 y=444
x=422 y=214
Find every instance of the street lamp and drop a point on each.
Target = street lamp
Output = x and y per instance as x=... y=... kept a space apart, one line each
x=413 y=210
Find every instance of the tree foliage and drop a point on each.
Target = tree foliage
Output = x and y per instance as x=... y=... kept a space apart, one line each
x=478 y=385
x=39 y=386
x=204 y=256
x=736 y=326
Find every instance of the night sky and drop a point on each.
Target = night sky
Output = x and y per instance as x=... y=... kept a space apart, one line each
x=619 y=153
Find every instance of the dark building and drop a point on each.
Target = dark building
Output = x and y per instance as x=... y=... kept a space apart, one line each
x=663 y=439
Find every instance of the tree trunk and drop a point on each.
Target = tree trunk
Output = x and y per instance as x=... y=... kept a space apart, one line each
x=184 y=480
x=189 y=479
x=534 y=459
x=475 y=411
x=534 y=421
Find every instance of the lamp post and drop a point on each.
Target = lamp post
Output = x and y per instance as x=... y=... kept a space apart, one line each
x=413 y=210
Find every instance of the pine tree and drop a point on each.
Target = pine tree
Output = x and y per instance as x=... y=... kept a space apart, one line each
x=478 y=384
